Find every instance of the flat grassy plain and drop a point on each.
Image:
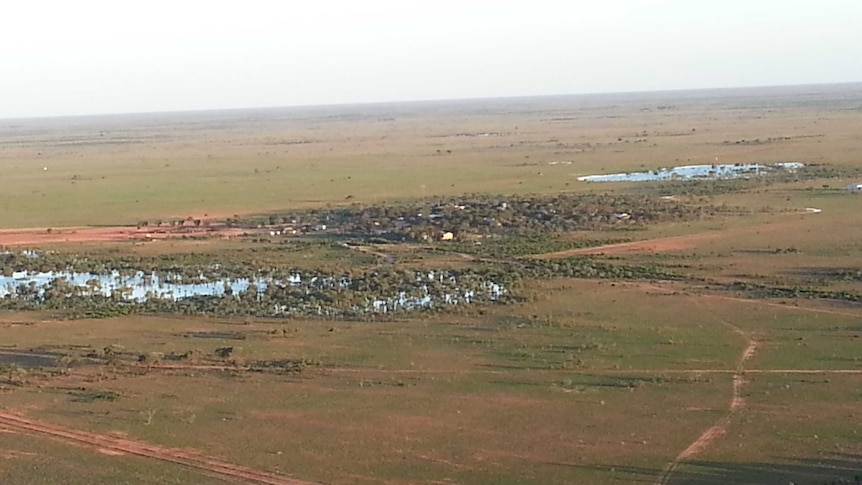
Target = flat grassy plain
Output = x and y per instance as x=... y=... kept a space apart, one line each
x=601 y=391
x=116 y=170
x=696 y=379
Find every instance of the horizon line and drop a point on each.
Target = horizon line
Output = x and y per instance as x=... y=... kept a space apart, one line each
x=421 y=101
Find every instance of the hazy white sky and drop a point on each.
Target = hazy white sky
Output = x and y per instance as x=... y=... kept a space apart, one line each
x=93 y=56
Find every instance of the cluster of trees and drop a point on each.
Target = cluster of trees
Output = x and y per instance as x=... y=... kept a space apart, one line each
x=485 y=214
x=592 y=269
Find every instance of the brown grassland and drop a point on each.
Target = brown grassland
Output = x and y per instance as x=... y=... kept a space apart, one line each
x=715 y=376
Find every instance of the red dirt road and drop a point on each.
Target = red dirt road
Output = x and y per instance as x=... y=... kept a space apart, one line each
x=38 y=236
x=120 y=446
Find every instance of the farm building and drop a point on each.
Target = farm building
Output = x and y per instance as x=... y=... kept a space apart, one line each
x=857 y=187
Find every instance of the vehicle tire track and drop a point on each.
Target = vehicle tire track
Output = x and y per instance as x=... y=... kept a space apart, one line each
x=737 y=402
x=114 y=445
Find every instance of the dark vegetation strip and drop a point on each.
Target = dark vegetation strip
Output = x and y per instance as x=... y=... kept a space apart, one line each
x=482 y=215
x=517 y=246
x=755 y=290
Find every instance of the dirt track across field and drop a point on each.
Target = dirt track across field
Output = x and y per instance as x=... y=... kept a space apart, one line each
x=37 y=236
x=737 y=402
x=112 y=445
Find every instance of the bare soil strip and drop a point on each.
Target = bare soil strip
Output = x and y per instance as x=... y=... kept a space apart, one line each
x=676 y=243
x=664 y=244
x=737 y=402
x=116 y=446
x=34 y=236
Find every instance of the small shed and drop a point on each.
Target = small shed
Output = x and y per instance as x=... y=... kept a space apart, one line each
x=447 y=236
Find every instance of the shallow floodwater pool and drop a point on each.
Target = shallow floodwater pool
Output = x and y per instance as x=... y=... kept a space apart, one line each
x=691 y=172
x=434 y=288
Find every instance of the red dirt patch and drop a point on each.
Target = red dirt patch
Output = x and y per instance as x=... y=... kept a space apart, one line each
x=35 y=236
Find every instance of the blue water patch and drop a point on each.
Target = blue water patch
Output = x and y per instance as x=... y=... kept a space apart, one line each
x=136 y=287
x=696 y=172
